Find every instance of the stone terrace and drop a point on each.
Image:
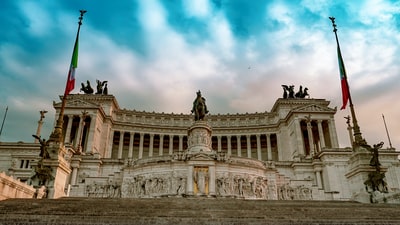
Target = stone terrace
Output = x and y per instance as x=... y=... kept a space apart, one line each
x=193 y=211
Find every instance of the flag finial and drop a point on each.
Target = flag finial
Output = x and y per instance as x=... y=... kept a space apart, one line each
x=333 y=23
x=81 y=17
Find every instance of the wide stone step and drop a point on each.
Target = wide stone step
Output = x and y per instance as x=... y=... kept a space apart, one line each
x=193 y=211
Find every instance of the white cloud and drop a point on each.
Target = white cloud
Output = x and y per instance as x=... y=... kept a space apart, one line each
x=152 y=16
x=39 y=20
x=197 y=8
x=222 y=37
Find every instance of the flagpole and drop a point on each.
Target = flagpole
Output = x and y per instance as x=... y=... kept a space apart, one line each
x=4 y=119
x=359 y=141
x=387 y=132
x=56 y=135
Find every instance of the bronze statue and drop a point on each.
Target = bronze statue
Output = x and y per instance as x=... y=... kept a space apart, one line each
x=105 y=90
x=44 y=154
x=199 y=107
x=305 y=93
x=87 y=89
x=288 y=92
x=376 y=178
x=100 y=85
x=375 y=154
x=299 y=93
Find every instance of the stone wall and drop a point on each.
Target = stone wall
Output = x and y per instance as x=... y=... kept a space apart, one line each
x=13 y=188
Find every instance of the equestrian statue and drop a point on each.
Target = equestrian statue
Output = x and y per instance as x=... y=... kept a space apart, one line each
x=199 y=107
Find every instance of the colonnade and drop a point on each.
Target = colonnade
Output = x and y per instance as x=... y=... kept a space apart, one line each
x=129 y=144
x=79 y=131
x=316 y=135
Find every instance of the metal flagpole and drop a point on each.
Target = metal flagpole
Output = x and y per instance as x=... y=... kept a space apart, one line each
x=358 y=139
x=387 y=132
x=2 y=124
x=56 y=135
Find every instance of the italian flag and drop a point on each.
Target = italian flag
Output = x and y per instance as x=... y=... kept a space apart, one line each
x=74 y=64
x=343 y=80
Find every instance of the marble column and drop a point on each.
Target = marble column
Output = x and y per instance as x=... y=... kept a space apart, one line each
x=248 y=143
x=189 y=182
x=310 y=138
x=180 y=143
x=279 y=146
x=120 y=144
x=130 y=151
x=141 y=145
x=321 y=134
x=74 y=175
x=75 y=163
x=259 y=157
x=269 y=150
x=229 y=145
x=151 y=144
x=299 y=137
x=110 y=144
x=78 y=136
x=239 y=147
x=67 y=138
x=319 y=179
x=171 y=144
x=219 y=143
x=211 y=175
x=333 y=135
x=90 y=136
x=161 y=145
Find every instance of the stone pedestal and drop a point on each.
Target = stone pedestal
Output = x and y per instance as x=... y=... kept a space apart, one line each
x=201 y=161
x=359 y=169
x=60 y=170
x=199 y=138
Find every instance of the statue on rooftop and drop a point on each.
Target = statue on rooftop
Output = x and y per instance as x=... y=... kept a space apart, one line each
x=199 y=107
x=288 y=92
x=100 y=85
x=87 y=89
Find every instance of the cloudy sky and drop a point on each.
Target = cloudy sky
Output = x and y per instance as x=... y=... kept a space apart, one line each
x=157 y=54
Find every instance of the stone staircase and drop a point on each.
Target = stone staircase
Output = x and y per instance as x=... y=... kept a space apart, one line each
x=193 y=211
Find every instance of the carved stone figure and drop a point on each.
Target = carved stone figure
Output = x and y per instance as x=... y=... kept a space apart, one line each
x=199 y=107
x=200 y=178
x=87 y=89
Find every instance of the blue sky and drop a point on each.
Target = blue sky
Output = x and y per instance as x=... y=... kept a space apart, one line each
x=157 y=54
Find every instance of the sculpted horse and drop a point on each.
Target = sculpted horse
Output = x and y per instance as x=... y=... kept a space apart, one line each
x=199 y=107
x=87 y=89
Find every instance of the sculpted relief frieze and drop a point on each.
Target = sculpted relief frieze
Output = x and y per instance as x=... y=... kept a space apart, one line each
x=153 y=185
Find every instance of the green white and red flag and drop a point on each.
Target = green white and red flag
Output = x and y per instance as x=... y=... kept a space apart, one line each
x=343 y=80
x=74 y=64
